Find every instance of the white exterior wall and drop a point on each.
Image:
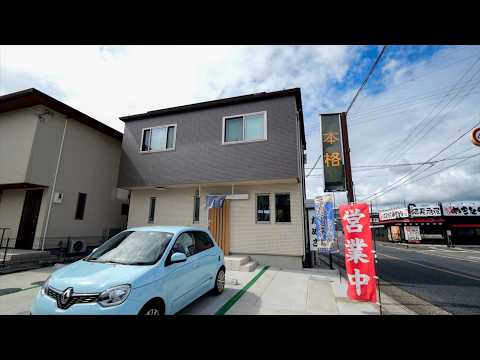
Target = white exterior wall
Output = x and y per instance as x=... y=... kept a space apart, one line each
x=11 y=206
x=175 y=207
x=17 y=130
x=29 y=151
x=89 y=164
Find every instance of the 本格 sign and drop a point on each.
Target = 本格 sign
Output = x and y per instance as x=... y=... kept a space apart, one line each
x=390 y=214
x=421 y=210
x=359 y=259
x=461 y=208
x=324 y=232
x=332 y=145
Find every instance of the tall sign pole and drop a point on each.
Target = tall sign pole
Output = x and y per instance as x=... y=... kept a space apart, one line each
x=346 y=157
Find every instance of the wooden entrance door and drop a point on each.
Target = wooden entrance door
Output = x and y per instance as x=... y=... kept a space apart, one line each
x=28 y=221
x=219 y=226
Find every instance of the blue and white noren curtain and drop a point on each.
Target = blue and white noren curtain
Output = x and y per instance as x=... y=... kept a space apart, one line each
x=215 y=201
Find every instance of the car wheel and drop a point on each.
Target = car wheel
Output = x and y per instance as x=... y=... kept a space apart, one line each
x=153 y=309
x=219 y=282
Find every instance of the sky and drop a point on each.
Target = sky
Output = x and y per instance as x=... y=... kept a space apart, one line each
x=418 y=101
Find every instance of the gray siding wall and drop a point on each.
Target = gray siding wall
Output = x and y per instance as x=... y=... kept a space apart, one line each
x=199 y=155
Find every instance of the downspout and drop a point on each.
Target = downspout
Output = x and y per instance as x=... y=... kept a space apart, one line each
x=54 y=183
x=301 y=170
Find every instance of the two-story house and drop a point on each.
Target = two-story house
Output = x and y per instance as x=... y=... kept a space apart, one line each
x=58 y=173
x=235 y=165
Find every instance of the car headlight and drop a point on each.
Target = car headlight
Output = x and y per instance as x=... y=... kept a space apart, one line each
x=45 y=285
x=114 y=296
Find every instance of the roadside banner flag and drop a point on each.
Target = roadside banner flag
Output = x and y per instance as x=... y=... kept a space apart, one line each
x=359 y=254
x=325 y=224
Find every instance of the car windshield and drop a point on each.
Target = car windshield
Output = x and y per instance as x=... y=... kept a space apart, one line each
x=132 y=248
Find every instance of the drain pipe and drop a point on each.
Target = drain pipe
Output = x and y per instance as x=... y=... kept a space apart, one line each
x=54 y=183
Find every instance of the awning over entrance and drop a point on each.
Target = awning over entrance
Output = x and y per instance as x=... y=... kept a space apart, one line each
x=12 y=186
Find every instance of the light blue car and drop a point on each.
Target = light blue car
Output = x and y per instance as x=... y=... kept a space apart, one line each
x=147 y=270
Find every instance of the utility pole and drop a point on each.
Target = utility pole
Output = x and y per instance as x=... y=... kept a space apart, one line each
x=346 y=157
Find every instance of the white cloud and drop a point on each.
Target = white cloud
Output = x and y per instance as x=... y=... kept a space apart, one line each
x=107 y=82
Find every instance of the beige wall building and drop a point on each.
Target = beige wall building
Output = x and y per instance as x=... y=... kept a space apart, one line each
x=50 y=154
x=247 y=150
x=272 y=242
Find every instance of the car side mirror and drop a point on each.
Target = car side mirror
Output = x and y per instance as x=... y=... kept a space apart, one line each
x=177 y=258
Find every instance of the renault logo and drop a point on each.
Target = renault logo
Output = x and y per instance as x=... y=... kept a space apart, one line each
x=66 y=296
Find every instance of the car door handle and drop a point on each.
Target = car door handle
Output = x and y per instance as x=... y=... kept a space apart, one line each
x=195 y=265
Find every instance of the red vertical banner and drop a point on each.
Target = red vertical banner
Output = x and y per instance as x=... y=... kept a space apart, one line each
x=358 y=249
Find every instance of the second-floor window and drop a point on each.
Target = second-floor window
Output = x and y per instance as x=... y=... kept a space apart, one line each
x=159 y=138
x=245 y=128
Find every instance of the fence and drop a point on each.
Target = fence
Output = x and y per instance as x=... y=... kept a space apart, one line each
x=64 y=248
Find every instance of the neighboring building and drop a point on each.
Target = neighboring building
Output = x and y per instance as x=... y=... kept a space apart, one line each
x=463 y=221
x=415 y=223
x=432 y=223
x=58 y=173
x=248 y=149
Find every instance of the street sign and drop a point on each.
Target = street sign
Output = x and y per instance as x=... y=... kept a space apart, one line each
x=475 y=136
x=333 y=161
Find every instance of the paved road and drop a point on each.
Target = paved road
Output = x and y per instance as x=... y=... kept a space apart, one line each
x=449 y=279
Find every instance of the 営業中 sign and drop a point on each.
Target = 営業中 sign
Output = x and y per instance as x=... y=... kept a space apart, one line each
x=359 y=259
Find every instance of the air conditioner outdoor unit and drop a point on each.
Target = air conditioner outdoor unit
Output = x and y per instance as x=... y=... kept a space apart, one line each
x=77 y=246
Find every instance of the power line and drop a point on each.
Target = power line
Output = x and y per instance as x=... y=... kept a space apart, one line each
x=444 y=67
x=314 y=165
x=366 y=79
x=388 y=187
x=386 y=166
x=416 y=178
x=415 y=132
x=406 y=102
x=409 y=164
x=401 y=107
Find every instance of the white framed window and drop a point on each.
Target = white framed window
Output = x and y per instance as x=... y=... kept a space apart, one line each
x=244 y=128
x=158 y=138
